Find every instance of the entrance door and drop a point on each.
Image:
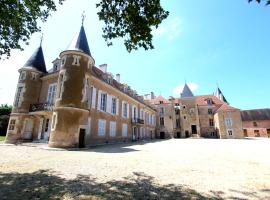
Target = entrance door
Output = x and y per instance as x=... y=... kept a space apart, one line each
x=162 y=135
x=40 y=129
x=28 y=128
x=268 y=132
x=178 y=134
x=186 y=134
x=81 y=138
x=134 y=133
x=194 y=129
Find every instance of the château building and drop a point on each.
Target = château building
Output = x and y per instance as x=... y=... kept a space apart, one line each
x=76 y=104
x=208 y=116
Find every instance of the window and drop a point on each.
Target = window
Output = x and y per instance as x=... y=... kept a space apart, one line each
x=160 y=102
x=112 y=129
x=11 y=126
x=63 y=61
x=134 y=113
x=125 y=110
x=101 y=127
x=185 y=117
x=161 y=111
x=22 y=76
x=177 y=111
x=54 y=121
x=177 y=123
x=177 y=104
x=257 y=133
x=210 y=111
x=213 y=134
x=209 y=101
x=228 y=122
x=103 y=101
x=191 y=110
x=88 y=93
x=255 y=124
x=211 y=122
x=18 y=96
x=46 y=125
x=184 y=107
x=34 y=75
x=113 y=106
x=161 y=120
x=55 y=67
x=61 y=85
x=124 y=130
x=76 y=60
x=230 y=132
x=51 y=93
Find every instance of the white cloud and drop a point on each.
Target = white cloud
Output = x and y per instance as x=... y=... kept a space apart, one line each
x=171 y=29
x=179 y=88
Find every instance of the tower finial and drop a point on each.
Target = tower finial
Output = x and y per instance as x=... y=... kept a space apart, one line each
x=83 y=17
x=41 y=39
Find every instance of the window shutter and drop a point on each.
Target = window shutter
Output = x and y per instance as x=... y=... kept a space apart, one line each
x=109 y=102
x=117 y=106
x=127 y=110
x=94 y=97
x=99 y=99
x=122 y=109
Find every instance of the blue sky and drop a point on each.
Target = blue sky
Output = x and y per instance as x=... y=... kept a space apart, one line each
x=204 y=43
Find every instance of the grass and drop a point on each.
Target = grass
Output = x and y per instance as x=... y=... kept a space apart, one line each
x=2 y=138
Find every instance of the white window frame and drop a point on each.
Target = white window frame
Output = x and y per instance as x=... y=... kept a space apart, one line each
x=54 y=121
x=22 y=76
x=125 y=109
x=19 y=95
x=12 y=126
x=228 y=122
x=103 y=101
x=113 y=105
x=112 y=128
x=63 y=60
x=76 y=60
x=51 y=95
x=60 y=89
x=124 y=130
x=101 y=127
x=228 y=132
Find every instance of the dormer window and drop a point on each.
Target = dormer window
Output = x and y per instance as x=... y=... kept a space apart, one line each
x=209 y=101
x=63 y=61
x=76 y=60
x=125 y=89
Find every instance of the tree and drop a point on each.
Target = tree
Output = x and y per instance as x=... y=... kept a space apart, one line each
x=5 y=111
x=259 y=1
x=131 y=19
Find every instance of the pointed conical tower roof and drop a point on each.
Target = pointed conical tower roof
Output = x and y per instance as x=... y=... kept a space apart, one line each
x=79 y=43
x=37 y=61
x=186 y=92
x=220 y=95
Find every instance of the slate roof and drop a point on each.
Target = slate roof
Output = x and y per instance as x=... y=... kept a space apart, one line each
x=256 y=114
x=37 y=61
x=220 y=95
x=80 y=43
x=186 y=92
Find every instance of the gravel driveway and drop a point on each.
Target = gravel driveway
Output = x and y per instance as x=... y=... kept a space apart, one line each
x=161 y=169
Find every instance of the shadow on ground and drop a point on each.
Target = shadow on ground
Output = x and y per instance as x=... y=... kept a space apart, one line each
x=44 y=185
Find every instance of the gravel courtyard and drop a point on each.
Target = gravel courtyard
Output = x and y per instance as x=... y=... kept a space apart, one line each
x=160 y=169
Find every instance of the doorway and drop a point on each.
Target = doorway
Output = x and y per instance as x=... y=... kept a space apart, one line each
x=134 y=134
x=28 y=128
x=81 y=138
x=193 y=129
x=178 y=134
x=268 y=132
x=162 y=135
x=186 y=134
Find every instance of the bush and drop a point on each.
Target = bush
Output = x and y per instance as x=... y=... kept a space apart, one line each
x=5 y=111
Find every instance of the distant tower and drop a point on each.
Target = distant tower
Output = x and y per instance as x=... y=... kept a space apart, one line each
x=186 y=92
x=27 y=93
x=71 y=112
x=220 y=95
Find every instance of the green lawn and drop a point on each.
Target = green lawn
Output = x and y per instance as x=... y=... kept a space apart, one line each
x=2 y=138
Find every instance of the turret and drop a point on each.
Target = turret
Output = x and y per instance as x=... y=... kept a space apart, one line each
x=220 y=95
x=186 y=92
x=71 y=112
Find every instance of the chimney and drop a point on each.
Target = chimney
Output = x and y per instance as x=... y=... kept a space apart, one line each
x=103 y=68
x=118 y=78
x=152 y=95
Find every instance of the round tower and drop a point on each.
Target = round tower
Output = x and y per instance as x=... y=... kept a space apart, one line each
x=71 y=112
x=27 y=93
